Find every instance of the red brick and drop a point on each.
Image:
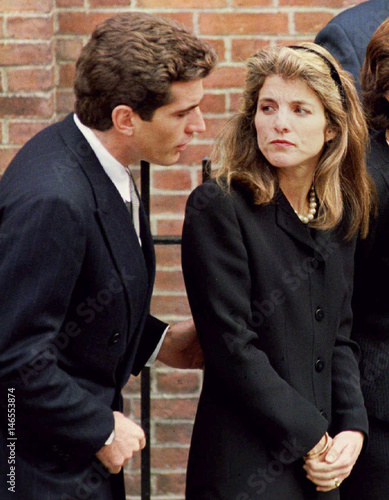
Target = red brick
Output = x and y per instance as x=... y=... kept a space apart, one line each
x=178 y=382
x=226 y=76
x=252 y=3
x=133 y=386
x=219 y=46
x=30 y=79
x=68 y=49
x=316 y=3
x=185 y=18
x=176 y=432
x=214 y=126
x=70 y=3
x=169 y=458
x=311 y=22
x=174 y=179
x=30 y=27
x=109 y=3
x=26 y=106
x=173 y=408
x=172 y=305
x=194 y=154
x=169 y=227
x=213 y=103
x=65 y=101
x=21 y=132
x=1 y=27
x=243 y=24
x=12 y=54
x=241 y=50
x=66 y=75
x=6 y=155
x=80 y=23
x=235 y=100
x=168 y=256
x=132 y=483
x=40 y=6
x=170 y=483
x=181 y=4
x=176 y=305
x=172 y=204
x=169 y=281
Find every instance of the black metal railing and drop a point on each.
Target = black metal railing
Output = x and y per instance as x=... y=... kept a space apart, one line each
x=145 y=374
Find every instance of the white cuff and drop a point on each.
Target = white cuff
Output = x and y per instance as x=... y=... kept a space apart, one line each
x=153 y=357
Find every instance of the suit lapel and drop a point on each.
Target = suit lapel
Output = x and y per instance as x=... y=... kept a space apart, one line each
x=116 y=225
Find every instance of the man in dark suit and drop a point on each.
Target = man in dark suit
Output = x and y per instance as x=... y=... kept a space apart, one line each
x=77 y=265
x=346 y=36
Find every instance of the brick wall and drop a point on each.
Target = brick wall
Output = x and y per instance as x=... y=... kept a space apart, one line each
x=39 y=42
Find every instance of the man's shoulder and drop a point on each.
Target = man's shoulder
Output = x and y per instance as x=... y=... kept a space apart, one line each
x=372 y=12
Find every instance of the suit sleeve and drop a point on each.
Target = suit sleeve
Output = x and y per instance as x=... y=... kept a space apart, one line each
x=152 y=333
x=42 y=246
x=218 y=281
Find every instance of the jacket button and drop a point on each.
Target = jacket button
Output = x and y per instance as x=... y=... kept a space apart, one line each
x=114 y=338
x=319 y=314
x=319 y=365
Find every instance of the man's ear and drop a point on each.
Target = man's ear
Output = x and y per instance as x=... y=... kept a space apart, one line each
x=123 y=119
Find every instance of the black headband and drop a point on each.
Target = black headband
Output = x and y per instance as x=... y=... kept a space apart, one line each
x=334 y=74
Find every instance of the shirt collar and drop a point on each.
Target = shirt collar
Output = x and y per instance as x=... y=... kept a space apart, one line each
x=117 y=172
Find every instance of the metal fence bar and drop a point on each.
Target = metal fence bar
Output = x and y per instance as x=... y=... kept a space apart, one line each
x=145 y=374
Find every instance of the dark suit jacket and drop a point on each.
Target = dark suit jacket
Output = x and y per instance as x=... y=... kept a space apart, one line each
x=347 y=35
x=272 y=305
x=371 y=298
x=75 y=291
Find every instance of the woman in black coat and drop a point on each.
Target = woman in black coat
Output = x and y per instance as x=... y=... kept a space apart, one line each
x=370 y=479
x=268 y=261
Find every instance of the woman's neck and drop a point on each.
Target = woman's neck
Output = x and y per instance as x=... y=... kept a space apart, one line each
x=296 y=191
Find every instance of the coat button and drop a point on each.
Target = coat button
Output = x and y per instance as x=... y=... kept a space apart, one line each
x=114 y=338
x=319 y=314
x=319 y=365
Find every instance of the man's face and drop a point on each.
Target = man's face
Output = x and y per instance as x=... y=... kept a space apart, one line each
x=161 y=140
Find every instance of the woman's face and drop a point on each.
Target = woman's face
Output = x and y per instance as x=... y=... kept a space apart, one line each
x=291 y=124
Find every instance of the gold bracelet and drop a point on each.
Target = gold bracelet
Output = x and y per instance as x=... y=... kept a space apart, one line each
x=325 y=448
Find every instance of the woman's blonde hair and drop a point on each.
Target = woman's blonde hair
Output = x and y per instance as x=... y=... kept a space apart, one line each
x=342 y=184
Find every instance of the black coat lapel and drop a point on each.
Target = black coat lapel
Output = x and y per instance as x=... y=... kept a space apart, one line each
x=291 y=224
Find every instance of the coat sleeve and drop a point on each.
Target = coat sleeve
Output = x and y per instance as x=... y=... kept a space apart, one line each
x=348 y=408
x=218 y=281
x=42 y=246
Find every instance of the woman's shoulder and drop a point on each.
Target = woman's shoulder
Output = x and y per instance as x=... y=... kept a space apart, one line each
x=217 y=192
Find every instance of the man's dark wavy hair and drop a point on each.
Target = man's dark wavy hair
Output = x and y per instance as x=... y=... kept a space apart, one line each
x=133 y=59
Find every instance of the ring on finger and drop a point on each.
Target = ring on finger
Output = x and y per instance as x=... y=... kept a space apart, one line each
x=337 y=482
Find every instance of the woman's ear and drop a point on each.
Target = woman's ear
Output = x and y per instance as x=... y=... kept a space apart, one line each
x=329 y=134
x=123 y=119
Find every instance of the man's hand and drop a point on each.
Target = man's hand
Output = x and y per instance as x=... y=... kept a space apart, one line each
x=129 y=439
x=181 y=347
x=330 y=469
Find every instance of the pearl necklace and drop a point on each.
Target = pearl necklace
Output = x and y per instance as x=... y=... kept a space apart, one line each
x=312 y=207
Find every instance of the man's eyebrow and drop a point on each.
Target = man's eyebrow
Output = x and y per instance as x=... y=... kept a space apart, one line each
x=189 y=108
